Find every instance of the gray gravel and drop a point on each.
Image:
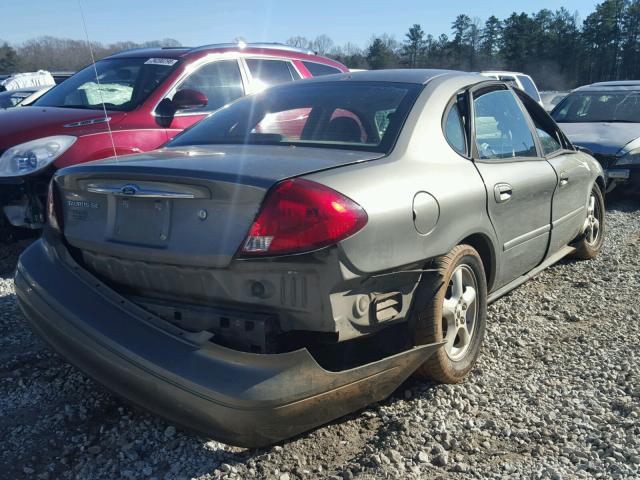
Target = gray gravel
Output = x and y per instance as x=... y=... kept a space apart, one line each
x=555 y=395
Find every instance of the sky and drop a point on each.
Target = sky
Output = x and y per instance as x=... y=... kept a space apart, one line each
x=198 y=22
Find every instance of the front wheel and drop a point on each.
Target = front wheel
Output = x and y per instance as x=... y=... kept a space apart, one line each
x=455 y=315
x=592 y=238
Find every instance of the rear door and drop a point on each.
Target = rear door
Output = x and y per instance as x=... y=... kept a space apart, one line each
x=519 y=181
x=573 y=177
x=267 y=72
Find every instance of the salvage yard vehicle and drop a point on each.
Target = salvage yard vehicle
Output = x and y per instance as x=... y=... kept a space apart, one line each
x=605 y=118
x=149 y=96
x=520 y=80
x=14 y=98
x=300 y=253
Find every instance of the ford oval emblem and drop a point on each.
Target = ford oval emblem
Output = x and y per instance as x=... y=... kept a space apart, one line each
x=129 y=190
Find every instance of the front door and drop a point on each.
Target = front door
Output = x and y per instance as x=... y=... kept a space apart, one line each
x=519 y=182
x=572 y=172
x=220 y=81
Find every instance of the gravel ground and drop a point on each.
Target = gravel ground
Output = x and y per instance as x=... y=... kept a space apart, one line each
x=555 y=395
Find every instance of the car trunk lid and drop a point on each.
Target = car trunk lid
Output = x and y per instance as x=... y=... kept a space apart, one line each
x=181 y=206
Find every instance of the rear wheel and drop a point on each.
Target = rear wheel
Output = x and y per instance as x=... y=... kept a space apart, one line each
x=456 y=315
x=589 y=246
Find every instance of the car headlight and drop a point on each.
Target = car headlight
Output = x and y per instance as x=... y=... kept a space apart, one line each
x=630 y=158
x=32 y=156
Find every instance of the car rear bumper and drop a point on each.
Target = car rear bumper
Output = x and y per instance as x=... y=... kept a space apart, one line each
x=244 y=399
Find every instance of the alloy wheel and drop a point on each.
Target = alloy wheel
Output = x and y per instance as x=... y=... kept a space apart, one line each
x=459 y=312
x=592 y=222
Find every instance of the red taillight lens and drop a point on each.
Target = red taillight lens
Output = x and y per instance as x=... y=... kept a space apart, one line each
x=54 y=210
x=300 y=215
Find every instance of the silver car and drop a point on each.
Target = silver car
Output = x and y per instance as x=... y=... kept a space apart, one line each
x=302 y=251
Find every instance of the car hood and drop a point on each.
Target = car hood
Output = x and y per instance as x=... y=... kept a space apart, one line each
x=601 y=138
x=19 y=125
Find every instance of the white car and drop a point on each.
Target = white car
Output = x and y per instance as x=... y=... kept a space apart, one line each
x=522 y=81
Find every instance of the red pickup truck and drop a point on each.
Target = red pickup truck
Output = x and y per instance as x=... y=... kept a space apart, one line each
x=127 y=103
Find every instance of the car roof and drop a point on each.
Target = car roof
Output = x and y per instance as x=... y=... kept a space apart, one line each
x=619 y=85
x=501 y=72
x=173 y=52
x=405 y=75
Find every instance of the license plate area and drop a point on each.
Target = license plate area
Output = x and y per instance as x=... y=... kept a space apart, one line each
x=142 y=221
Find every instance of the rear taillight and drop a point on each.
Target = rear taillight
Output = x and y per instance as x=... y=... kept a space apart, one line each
x=54 y=207
x=300 y=215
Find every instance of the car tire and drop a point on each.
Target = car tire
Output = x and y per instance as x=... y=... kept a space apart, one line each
x=450 y=316
x=589 y=245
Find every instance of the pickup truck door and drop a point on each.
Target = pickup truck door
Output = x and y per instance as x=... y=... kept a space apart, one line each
x=569 y=206
x=520 y=183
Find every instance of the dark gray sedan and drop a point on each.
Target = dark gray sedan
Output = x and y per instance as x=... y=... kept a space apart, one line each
x=302 y=251
x=605 y=118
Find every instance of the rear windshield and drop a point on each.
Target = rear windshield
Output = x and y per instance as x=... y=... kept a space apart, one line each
x=599 y=107
x=11 y=99
x=122 y=84
x=346 y=115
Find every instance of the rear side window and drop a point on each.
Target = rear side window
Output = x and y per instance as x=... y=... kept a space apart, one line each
x=502 y=130
x=529 y=87
x=454 y=130
x=220 y=82
x=269 y=72
x=318 y=69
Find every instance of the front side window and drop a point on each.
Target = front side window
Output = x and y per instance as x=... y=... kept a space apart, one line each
x=340 y=115
x=548 y=133
x=502 y=130
x=266 y=72
x=622 y=106
x=454 y=130
x=121 y=83
x=220 y=82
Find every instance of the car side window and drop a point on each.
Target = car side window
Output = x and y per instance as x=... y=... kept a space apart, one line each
x=548 y=133
x=501 y=128
x=454 y=130
x=220 y=82
x=319 y=69
x=267 y=72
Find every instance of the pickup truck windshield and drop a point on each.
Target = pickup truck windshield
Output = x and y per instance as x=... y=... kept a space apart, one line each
x=123 y=84
x=344 y=115
x=603 y=106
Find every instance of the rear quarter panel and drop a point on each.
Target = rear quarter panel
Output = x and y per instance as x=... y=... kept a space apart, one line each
x=422 y=161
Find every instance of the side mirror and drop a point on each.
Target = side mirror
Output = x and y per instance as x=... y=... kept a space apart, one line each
x=182 y=100
x=187 y=98
x=584 y=150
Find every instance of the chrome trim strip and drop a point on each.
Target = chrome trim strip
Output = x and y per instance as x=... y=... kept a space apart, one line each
x=84 y=123
x=568 y=216
x=526 y=237
x=119 y=191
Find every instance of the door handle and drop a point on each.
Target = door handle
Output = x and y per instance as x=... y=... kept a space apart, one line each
x=564 y=179
x=502 y=192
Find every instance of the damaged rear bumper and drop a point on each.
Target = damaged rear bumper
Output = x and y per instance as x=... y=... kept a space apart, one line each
x=240 y=398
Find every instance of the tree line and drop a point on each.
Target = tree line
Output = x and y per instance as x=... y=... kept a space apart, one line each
x=555 y=47
x=63 y=54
